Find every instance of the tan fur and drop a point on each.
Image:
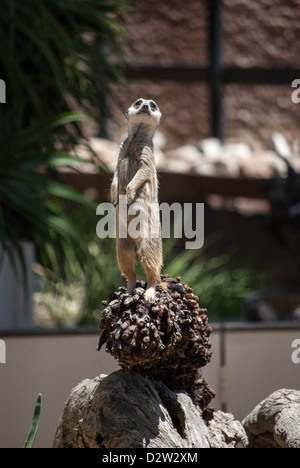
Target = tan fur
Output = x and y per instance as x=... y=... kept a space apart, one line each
x=136 y=177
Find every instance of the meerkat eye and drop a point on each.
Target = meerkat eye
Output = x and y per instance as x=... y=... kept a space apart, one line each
x=138 y=103
x=153 y=105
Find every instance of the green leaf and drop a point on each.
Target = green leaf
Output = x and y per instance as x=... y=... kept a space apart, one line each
x=48 y=159
x=34 y=423
x=55 y=57
x=37 y=133
x=62 y=191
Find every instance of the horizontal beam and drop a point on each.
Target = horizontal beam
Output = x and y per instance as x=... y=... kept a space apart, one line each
x=257 y=75
x=189 y=188
x=180 y=72
x=198 y=73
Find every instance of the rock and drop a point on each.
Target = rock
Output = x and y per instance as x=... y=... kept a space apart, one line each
x=263 y=164
x=238 y=151
x=226 y=159
x=205 y=169
x=225 y=169
x=183 y=159
x=175 y=165
x=127 y=410
x=234 y=155
x=104 y=152
x=209 y=157
x=159 y=140
x=225 y=431
x=187 y=153
x=279 y=144
x=275 y=422
x=211 y=148
x=160 y=159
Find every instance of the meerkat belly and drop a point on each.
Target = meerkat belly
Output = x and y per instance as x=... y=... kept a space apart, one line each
x=127 y=171
x=139 y=214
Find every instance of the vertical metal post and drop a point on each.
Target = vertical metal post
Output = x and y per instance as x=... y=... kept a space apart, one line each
x=223 y=371
x=216 y=67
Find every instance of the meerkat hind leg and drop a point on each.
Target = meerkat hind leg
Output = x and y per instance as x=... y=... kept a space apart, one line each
x=152 y=279
x=126 y=261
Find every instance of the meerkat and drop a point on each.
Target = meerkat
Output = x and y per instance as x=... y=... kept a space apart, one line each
x=135 y=181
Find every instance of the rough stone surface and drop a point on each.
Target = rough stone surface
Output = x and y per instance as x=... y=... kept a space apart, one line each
x=209 y=157
x=260 y=33
x=275 y=422
x=225 y=431
x=168 y=32
x=186 y=115
x=126 y=410
x=255 y=111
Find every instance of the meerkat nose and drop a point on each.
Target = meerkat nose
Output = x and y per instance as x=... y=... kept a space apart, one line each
x=145 y=106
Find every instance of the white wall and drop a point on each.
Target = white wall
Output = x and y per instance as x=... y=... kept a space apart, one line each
x=247 y=365
x=51 y=365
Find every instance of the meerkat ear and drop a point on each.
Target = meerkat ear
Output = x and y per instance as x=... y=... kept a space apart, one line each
x=127 y=114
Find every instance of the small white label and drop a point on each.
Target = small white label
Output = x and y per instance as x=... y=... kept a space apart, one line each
x=2 y=352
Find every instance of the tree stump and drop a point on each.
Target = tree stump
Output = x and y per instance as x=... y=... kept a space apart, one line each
x=127 y=410
x=159 y=399
x=275 y=422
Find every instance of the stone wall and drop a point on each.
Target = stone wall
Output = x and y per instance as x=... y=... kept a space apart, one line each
x=260 y=33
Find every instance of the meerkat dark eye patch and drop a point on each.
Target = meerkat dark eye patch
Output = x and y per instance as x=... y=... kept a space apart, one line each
x=153 y=105
x=138 y=103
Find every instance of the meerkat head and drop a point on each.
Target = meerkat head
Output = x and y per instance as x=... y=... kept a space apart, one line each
x=145 y=112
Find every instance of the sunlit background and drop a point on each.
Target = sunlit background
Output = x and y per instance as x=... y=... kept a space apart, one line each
x=222 y=74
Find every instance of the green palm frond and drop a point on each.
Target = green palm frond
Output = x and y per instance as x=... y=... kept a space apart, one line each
x=34 y=423
x=29 y=198
x=53 y=50
x=55 y=56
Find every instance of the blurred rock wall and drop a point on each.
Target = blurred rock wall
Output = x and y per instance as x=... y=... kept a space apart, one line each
x=260 y=33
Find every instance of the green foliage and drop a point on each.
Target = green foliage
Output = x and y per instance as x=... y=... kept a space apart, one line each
x=61 y=303
x=55 y=56
x=220 y=282
x=28 y=199
x=34 y=423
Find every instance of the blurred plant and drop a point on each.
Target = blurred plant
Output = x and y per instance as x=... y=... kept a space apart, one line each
x=220 y=282
x=28 y=199
x=34 y=423
x=60 y=303
x=54 y=57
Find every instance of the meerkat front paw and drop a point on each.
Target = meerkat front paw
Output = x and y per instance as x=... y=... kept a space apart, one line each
x=130 y=195
x=150 y=294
